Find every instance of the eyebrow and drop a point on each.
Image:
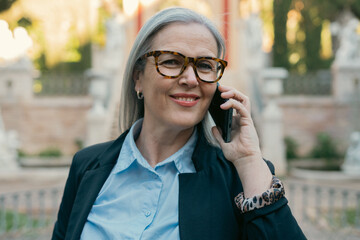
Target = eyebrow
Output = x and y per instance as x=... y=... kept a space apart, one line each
x=201 y=56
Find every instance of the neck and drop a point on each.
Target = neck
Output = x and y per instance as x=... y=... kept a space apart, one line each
x=158 y=143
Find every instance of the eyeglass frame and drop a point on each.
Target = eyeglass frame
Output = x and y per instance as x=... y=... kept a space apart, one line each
x=188 y=60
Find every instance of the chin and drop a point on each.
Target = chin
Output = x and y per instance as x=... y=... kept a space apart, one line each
x=185 y=123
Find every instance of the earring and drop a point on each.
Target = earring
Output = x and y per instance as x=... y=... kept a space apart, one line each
x=139 y=95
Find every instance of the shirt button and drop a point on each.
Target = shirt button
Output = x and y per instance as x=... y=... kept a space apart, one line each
x=148 y=213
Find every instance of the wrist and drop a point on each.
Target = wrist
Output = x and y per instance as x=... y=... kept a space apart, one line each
x=271 y=195
x=248 y=161
x=254 y=174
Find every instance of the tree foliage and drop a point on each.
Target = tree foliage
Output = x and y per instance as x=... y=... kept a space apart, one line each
x=6 y=4
x=280 y=48
x=325 y=148
x=314 y=13
x=72 y=54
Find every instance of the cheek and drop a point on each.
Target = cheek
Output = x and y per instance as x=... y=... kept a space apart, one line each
x=149 y=82
x=209 y=92
x=156 y=89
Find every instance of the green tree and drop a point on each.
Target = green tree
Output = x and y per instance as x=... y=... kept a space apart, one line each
x=6 y=4
x=280 y=48
x=312 y=25
x=291 y=148
x=325 y=148
x=314 y=13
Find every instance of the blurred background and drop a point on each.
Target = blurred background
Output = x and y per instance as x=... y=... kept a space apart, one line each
x=61 y=66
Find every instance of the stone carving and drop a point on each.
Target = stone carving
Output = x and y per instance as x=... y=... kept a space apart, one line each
x=99 y=90
x=106 y=77
x=8 y=148
x=352 y=158
x=254 y=38
x=347 y=36
x=345 y=69
x=115 y=42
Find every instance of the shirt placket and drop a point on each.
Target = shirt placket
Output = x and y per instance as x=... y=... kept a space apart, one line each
x=152 y=191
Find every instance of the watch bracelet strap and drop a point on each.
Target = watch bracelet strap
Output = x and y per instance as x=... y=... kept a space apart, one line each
x=273 y=194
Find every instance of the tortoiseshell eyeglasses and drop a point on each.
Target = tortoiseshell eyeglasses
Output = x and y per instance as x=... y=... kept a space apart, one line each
x=172 y=64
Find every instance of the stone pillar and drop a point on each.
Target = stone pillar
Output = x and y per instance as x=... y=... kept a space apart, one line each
x=16 y=80
x=346 y=80
x=16 y=89
x=272 y=136
x=346 y=67
x=351 y=166
x=110 y=63
x=97 y=116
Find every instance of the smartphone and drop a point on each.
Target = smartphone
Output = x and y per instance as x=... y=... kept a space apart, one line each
x=222 y=118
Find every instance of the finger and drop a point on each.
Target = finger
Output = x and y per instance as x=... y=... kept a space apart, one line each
x=232 y=92
x=229 y=92
x=225 y=88
x=237 y=106
x=238 y=96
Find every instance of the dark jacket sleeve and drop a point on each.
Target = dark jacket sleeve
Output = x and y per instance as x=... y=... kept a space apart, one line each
x=271 y=222
x=275 y=221
x=66 y=202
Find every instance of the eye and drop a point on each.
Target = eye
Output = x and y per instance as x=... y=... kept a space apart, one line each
x=171 y=63
x=205 y=66
x=169 y=60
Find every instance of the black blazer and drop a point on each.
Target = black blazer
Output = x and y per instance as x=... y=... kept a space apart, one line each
x=206 y=198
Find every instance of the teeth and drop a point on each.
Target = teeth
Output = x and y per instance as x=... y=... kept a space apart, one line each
x=185 y=99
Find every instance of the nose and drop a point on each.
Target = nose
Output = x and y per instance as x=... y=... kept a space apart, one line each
x=188 y=77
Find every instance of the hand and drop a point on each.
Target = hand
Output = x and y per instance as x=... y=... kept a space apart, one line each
x=244 y=139
x=243 y=150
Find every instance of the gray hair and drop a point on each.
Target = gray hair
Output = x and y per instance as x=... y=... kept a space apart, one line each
x=131 y=108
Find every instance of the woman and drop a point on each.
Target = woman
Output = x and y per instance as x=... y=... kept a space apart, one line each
x=168 y=177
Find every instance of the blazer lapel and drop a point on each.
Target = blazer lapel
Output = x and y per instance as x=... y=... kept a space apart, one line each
x=195 y=194
x=194 y=206
x=90 y=186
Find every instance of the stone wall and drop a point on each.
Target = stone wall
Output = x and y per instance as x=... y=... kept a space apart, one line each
x=58 y=122
x=48 y=122
x=305 y=116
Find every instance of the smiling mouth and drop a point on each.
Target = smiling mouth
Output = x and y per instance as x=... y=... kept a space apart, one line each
x=186 y=99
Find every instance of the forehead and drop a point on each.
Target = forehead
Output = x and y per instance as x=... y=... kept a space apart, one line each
x=187 y=38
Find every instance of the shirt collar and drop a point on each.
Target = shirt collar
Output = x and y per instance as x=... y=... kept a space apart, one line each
x=129 y=153
x=182 y=158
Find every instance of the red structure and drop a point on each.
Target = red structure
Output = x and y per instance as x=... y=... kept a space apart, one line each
x=226 y=26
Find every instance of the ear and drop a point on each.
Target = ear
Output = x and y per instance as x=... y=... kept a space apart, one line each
x=137 y=80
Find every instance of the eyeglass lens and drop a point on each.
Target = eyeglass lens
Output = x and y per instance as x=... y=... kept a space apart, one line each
x=171 y=65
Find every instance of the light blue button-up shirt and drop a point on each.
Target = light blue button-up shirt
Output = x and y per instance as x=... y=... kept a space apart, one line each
x=138 y=201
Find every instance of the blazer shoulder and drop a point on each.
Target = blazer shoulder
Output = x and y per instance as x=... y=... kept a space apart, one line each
x=94 y=149
x=87 y=158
